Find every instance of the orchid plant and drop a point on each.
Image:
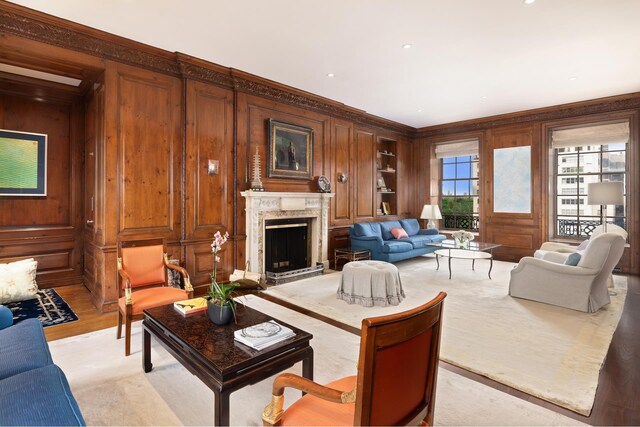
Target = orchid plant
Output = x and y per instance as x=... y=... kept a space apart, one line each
x=221 y=295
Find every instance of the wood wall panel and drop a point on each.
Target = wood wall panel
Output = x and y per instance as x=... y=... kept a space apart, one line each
x=526 y=237
x=254 y=127
x=209 y=136
x=406 y=182
x=340 y=158
x=364 y=187
x=150 y=153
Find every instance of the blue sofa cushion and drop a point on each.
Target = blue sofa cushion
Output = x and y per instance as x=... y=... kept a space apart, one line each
x=411 y=226
x=40 y=397
x=395 y=246
x=6 y=317
x=23 y=347
x=429 y=232
x=367 y=229
x=385 y=228
x=418 y=241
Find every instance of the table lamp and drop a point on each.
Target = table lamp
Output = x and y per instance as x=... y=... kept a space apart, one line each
x=431 y=212
x=603 y=194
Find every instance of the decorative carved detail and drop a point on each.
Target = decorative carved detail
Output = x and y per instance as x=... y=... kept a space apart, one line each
x=309 y=103
x=206 y=75
x=554 y=113
x=60 y=36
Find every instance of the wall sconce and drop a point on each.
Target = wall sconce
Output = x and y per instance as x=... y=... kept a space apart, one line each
x=213 y=167
x=342 y=177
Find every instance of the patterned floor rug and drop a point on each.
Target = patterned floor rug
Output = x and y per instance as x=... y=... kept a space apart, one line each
x=48 y=307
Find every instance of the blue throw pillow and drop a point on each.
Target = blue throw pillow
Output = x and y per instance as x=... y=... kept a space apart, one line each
x=6 y=317
x=411 y=226
x=385 y=228
x=573 y=259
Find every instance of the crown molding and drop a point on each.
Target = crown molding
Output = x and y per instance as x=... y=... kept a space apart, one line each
x=37 y=26
x=24 y=22
x=564 y=111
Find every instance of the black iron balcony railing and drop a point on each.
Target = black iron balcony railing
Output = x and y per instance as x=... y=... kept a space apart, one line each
x=584 y=228
x=464 y=221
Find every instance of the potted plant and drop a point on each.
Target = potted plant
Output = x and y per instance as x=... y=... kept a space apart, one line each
x=221 y=305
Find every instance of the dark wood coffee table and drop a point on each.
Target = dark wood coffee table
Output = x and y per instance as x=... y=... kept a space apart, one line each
x=209 y=351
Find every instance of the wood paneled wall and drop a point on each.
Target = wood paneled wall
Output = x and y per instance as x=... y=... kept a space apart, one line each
x=149 y=123
x=47 y=228
x=522 y=234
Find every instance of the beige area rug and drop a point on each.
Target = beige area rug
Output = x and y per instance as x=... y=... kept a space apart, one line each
x=112 y=389
x=549 y=352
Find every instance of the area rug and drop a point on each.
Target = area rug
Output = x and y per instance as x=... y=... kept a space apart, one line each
x=48 y=307
x=549 y=352
x=111 y=389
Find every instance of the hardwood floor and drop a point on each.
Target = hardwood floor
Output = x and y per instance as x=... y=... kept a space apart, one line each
x=618 y=393
x=89 y=318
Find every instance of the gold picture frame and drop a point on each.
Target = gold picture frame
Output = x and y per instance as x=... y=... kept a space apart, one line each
x=290 y=151
x=386 y=208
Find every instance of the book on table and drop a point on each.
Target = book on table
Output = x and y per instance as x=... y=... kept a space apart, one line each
x=191 y=306
x=263 y=335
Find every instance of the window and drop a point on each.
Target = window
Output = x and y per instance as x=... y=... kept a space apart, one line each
x=459 y=184
x=580 y=160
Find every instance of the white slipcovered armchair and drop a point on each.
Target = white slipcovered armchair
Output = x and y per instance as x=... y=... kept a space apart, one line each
x=558 y=252
x=582 y=287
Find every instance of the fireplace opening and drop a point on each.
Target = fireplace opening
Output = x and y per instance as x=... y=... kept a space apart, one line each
x=287 y=244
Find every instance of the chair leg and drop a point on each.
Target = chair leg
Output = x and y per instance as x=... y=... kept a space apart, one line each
x=127 y=335
x=119 y=324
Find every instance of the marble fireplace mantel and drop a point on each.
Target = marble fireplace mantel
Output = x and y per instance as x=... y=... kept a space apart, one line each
x=262 y=206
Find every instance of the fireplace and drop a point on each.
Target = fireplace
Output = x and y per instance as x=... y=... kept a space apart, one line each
x=270 y=209
x=286 y=245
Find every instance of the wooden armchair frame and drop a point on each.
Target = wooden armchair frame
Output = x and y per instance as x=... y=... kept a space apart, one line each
x=377 y=333
x=125 y=288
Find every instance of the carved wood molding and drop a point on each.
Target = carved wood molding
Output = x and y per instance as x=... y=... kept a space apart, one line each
x=57 y=34
x=318 y=105
x=37 y=26
x=598 y=106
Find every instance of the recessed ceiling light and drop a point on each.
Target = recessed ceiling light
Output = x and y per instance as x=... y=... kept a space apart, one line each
x=419 y=111
x=529 y=1
x=573 y=78
x=330 y=75
x=406 y=46
x=484 y=97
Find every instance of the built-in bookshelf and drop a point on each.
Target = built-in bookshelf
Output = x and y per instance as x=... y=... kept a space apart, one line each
x=386 y=172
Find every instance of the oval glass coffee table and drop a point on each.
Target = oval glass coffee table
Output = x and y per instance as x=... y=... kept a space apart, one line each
x=475 y=250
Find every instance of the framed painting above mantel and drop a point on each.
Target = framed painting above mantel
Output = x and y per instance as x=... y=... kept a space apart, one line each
x=290 y=152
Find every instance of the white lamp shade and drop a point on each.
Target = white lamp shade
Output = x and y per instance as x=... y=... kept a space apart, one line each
x=605 y=193
x=431 y=212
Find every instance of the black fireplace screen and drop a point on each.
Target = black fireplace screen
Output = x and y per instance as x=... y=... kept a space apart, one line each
x=286 y=245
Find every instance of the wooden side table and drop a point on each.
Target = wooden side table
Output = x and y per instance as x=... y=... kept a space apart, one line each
x=349 y=255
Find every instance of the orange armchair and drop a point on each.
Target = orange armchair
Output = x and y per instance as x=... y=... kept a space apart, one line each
x=395 y=384
x=142 y=266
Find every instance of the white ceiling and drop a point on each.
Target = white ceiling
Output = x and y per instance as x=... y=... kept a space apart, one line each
x=469 y=58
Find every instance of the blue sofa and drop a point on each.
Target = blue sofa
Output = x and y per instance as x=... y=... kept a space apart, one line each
x=33 y=391
x=377 y=237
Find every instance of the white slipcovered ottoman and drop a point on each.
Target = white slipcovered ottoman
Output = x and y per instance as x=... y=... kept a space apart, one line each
x=370 y=283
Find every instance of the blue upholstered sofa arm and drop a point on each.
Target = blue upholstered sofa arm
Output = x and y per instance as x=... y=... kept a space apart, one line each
x=33 y=391
x=373 y=243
